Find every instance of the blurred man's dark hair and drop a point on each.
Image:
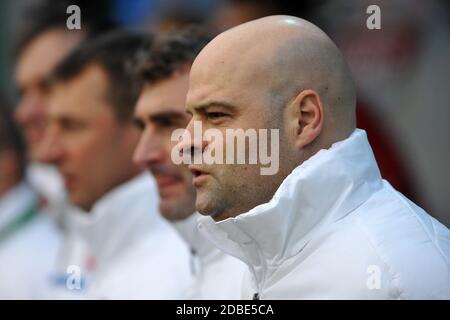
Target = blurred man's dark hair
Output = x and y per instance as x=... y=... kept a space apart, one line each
x=172 y=52
x=10 y=136
x=116 y=54
x=46 y=15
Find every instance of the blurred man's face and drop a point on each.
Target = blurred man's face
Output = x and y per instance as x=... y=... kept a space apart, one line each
x=91 y=147
x=34 y=65
x=161 y=110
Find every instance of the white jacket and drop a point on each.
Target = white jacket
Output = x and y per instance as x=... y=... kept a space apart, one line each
x=48 y=183
x=215 y=275
x=129 y=252
x=29 y=244
x=335 y=230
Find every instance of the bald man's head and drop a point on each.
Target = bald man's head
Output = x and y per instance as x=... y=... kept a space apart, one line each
x=281 y=56
x=276 y=72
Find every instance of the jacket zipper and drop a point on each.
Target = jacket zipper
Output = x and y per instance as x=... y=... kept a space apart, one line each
x=260 y=285
x=193 y=262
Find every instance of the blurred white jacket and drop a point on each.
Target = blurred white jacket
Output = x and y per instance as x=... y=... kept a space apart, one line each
x=48 y=183
x=215 y=275
x=335 y=230
x=29 y=244
x=129 y=251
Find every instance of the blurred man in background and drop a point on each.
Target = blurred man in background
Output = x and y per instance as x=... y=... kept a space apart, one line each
x=29 y=242
x=43 y=42
x=131 y=251
x=159 y=111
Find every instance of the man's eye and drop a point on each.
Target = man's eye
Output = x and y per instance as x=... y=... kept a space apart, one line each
x=215 y=115
x=71 y=126
x=164 y=123
x=139 y=124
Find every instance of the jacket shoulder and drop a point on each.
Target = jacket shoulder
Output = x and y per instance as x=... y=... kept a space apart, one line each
x=388 y=248
x=413 y=247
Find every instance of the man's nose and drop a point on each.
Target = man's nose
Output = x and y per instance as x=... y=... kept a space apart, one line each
x=30 y=108
x=50 y=149
x=149 y=150
x=191 y=143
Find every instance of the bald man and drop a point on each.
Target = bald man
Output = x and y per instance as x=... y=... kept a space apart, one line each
x=325 y=225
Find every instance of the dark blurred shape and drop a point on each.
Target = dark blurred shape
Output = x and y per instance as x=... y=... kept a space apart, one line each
x=402 y=76
x=179 y=18
x=46 y=15
x=173 y=15
x=12 y=149
x=132 y=13
x=234 y=12
x=388 y=158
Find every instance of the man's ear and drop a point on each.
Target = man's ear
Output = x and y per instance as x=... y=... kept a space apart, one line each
x=307 y=109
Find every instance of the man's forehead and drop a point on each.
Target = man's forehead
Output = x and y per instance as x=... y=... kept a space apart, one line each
x=167 y=94
x=91 y=86
x=200 y=94
x=227 y=76
x=29 y=71
x=231 y=94
x=210 y=78
x=68 y=98
x=43 y=54
x=146 y=109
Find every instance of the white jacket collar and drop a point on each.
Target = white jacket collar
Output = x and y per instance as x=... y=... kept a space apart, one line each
x=187 y=228
x=323 y=189
x=124 y=215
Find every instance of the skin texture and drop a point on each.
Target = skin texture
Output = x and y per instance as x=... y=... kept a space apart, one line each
x=161 y=110
x=91 y=147
x=277 y=72
x=34 y=65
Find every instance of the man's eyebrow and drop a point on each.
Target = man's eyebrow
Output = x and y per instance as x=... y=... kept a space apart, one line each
x=206 y=105
x=160 y=115
x=138 y=122
x=46 y=83
x=164 y=115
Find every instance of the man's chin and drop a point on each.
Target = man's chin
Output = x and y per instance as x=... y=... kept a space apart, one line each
x=205 y=206
x=215 y=208
x=171 y=190
x=33 y=140
x=80 y=203
x=174 y=209
x=34 y=154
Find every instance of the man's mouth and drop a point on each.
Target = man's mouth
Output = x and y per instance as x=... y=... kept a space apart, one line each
x=164 y=181
x=199 y=175
x=68 y=181
x=32 y=134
